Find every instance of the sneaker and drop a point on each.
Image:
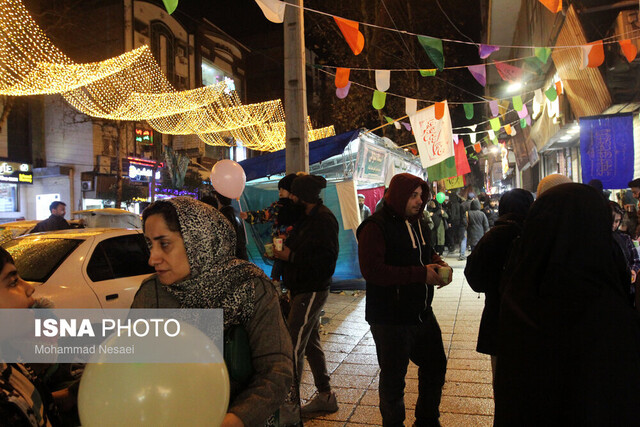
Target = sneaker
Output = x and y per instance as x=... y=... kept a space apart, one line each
x=323 y=402
x=461 y=258
x=289 y=414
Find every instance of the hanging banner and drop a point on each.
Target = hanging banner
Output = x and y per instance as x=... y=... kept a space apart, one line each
x=606 y=146
x=371 y=165
x=434 y=137
x=451 y=183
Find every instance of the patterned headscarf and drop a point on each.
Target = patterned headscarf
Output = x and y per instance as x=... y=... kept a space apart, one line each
x=217 y=278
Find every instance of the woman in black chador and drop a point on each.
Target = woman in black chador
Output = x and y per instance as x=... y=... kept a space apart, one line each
x=569 y=348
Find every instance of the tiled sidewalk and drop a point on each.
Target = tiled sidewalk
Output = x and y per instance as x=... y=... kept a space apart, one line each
x=351 y=358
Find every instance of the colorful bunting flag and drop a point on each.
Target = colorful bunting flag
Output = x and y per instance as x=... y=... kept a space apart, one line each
x=342 y=92
x=528 y=120
x=462 y=164
x=517 y=103
x=523 y=123
x=477 y=147
x=379 y=98
x=397 y=125
x=628 y=49
x=479 y=72
x=428 y=73
x=493 y=105
x=434 y=50
x=351 y=34
x=273 y=10
x=468 y=111
x=504 y=107
x=554 y=6
x=342 y=77
x=495 y=124
x=453 y=183
x=407 y=126
x=507 y=129
x=592 y=55
x=439 y=111
x=171 y=5
x=508 y=72
x=524 y=112
x=492 y=135
x=411 y=106
x=388 y=119
x=433 y=137
x=559 y=87
x=383 y=80
x=542 y=53
x=486 y=49
x=551 y=93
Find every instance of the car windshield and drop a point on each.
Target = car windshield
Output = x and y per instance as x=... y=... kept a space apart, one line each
x=38 y=257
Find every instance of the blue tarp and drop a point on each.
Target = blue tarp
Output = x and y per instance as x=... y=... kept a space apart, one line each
x=274 y=163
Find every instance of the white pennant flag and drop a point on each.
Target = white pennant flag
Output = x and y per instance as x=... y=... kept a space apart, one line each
x=492 y=134
x=273 y=10
x=383 y=80
x=411 y=106
x=434 y=137
x=472 y=136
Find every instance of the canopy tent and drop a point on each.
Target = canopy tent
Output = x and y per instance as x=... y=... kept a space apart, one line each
x=274 y=163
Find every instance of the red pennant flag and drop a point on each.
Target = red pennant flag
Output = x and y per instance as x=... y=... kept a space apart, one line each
x=351 y=34
x=559 y=88
x=554 y=6
x=508 y=72
x=629 y=50
x=477 y=147
x=342 y=77
x=596 y=55
x=439 y=110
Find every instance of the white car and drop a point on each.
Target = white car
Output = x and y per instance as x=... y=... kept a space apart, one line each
x=83 y=268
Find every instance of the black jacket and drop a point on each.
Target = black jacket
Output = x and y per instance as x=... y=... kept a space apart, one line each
x=241 y=240
x=53 y=223
x=314 y=251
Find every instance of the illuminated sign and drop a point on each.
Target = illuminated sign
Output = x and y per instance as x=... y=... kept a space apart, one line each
x=141 y=170
x=17 y=173
x=144 y=136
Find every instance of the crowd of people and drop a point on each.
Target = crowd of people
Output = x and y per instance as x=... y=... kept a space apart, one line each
x=560 y=320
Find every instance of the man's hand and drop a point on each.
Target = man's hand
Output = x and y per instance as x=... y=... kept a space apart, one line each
x=433 y=278
x=232 y=420
x=283 y=254
x=243 y=215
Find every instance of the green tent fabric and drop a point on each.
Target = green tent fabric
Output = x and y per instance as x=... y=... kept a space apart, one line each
x=443 y=170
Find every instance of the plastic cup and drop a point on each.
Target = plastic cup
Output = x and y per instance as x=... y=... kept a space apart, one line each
x=268 y=248
x=445 y=273
x=278 y=243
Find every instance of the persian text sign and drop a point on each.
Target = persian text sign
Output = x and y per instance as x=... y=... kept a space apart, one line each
x=434 y=137
x=606 y=146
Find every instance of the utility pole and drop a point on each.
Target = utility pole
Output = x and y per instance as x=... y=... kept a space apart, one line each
x=295 y=89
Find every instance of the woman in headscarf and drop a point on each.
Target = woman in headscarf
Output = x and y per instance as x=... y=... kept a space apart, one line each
x=192 y=249
x=485 y=265
x=569 y=340
x=440 y=225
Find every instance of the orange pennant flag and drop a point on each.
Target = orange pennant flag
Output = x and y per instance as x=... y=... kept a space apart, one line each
x=596 y=55
x=559 y=87
x=629 y=50
x=351 y=34
x=507 y=128
x=554 y=6
x=477 y=147
x=439 y=110
x=342 y=77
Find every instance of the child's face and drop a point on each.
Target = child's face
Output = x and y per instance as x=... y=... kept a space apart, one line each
x=284 y=194
x=14 y=292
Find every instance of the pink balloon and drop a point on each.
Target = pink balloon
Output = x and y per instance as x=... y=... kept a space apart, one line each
x=228 y=178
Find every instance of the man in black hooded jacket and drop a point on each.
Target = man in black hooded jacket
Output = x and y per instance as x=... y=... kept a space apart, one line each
x=401 y=269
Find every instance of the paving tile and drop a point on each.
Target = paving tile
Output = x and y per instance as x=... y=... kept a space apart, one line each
x=364 y=349
x=348 y=395
x=467 y=405
x=332 y=356
x=344 y=412
x=341 y=339
x=367 y=415
x=322 y=423
x=370 y=398
x=467 y=389
x=468 y=354
x=448 y=419
x=337 y=347
x=463 y=345
x=362 y=359
x=351 y=381
x=462 y=375
x=356 y=369
x=470 y=364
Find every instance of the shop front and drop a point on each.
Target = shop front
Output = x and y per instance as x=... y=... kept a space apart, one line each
x=13 y=175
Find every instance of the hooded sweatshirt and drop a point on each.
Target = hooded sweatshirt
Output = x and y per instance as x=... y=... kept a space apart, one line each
x=393 y=251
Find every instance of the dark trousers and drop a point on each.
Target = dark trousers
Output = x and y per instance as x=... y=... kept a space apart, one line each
x=395 y=346
x=303 y=322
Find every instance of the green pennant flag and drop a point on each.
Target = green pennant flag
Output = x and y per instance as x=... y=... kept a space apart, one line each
x=517 y=103
x=433 y=47
x=542 y=53
x=428 y=73
x=170 y=5
x=495 y=124
x=533 y=65
x=444 y=169
x=388 y=119
x=523 y=123
x=379 y=98
x=551 y=93
x=468 y=111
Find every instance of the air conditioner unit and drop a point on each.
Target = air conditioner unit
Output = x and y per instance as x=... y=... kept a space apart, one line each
x=86 y=185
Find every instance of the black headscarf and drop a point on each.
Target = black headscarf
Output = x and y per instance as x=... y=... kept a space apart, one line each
x=569 y=350
x=516 y=202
